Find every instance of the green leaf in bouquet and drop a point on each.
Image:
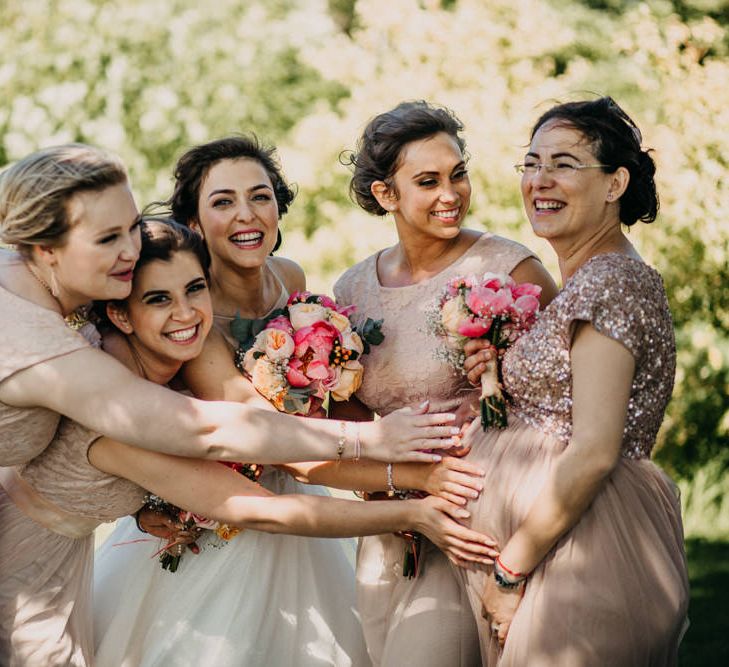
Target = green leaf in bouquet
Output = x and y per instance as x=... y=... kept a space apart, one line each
x=371 y=333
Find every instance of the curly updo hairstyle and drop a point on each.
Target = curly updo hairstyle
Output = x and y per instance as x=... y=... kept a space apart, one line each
x=194 y=165
x=616 y=142
x=378 y=152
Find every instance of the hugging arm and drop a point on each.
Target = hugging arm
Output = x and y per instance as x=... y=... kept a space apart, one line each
x=96 y=390
x=217 y=492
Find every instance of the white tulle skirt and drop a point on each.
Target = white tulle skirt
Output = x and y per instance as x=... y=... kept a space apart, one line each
x=260 y=600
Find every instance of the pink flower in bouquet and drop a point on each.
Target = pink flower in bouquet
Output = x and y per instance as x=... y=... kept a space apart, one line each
x=295 y=374
x=305 y=314
x=526 y=307
x=282 y=323
x=524 y=289
x=349 y=382
x=488 y=301
x=475 y=327
x=317 y=337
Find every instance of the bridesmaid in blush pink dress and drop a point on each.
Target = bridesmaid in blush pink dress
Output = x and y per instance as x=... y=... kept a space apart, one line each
x=410 y=164
x=592 y=568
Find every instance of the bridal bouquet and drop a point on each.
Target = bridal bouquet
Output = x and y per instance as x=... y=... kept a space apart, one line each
x=195 y=522
x=302 y=351
x=493 y=307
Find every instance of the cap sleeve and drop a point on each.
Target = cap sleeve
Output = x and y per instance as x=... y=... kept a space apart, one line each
x=30 y=334
x=618 y=296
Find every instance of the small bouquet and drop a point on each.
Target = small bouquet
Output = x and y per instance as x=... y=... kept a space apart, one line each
x=195 y=522
x=495 y=308
x=302 y=351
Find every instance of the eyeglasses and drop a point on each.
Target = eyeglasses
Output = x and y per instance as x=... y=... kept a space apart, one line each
x=561 y=169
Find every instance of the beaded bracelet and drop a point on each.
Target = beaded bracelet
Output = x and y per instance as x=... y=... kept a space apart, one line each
x=357 y=443
x=391 y=489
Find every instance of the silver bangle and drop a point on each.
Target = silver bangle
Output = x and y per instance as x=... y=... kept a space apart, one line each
x=342 y=439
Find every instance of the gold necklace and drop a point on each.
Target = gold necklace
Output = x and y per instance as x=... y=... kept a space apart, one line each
x=74 y=320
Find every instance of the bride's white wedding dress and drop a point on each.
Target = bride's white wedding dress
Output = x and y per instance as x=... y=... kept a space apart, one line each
x=261 y=600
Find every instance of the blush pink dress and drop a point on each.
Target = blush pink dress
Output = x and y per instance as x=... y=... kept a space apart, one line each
x=50 y=503
x=614 y=589
x=425 y=621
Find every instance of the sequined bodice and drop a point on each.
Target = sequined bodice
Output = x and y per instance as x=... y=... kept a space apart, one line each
x=404 y=370
x=624 y=299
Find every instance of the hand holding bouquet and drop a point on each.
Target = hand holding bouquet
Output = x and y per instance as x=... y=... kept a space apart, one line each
x=299 y=353
x=494 y=308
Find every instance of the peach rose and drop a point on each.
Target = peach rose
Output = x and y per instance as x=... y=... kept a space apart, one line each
x=352 y=341
x=267 y=379
x=453 y=314
x=350 y=381
x=277 y=344
x=338 y=320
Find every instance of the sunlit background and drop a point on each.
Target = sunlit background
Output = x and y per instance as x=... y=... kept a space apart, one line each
x=150 y=78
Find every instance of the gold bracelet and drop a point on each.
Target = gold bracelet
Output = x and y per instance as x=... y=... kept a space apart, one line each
x=342 y=440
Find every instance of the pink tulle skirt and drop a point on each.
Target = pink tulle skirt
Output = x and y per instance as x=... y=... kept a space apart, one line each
x=613 y=590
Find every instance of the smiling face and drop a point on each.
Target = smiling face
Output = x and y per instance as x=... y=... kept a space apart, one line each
x=572 y=205
x=237 y=213
x=169 y=312
x=432 y=191
x=98 y=255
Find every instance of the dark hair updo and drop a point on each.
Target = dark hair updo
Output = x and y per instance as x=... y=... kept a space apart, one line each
x=378 y=152
x=162 y=239
x=616 y=142
x=194 y=165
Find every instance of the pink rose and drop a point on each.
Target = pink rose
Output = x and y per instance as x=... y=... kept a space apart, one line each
x=486 y=301
x=526 y=306
x=475 y=327
x=524 y=289
x=295 y=374
x=495 y=281
x=282 y=323
x=318 y=337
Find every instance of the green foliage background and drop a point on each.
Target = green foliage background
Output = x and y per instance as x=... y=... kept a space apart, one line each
x=150 y=78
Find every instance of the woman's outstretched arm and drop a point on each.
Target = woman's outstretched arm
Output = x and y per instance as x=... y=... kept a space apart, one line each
x=217 y=492
x=97 y=391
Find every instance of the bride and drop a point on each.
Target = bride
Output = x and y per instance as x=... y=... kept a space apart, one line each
x=259 y=599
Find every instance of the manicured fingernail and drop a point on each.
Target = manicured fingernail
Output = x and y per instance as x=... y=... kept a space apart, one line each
x=436 y=459
x=455 y=430
x=474 y=494
x=464 y=514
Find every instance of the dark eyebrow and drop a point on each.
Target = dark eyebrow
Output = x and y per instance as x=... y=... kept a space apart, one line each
x=154 y=292
x=194 y=281
x=228 y=191
x=554 y=155
x=420 y=174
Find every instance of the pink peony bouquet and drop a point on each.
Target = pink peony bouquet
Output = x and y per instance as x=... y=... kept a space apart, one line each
x=493 y=307
x=299 y=353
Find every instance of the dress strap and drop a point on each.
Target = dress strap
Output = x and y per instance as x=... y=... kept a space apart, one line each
x=42 y=511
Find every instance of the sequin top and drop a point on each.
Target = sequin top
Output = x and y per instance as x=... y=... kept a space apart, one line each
x=623 y=298
x=405 y=369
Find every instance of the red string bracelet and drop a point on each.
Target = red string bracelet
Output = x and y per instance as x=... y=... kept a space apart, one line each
x=516 y=575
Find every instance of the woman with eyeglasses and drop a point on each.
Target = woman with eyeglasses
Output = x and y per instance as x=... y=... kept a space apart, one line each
x=592 y=568
x=410 y=165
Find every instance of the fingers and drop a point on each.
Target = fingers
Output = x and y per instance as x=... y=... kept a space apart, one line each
x=434 y=418
x=474 y=345
x=466 y=467
x=503 y=632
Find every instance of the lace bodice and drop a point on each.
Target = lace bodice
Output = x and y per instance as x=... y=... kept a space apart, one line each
x=62 y=474
x=29 y=335
x=404 y=370
x=624 y=299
